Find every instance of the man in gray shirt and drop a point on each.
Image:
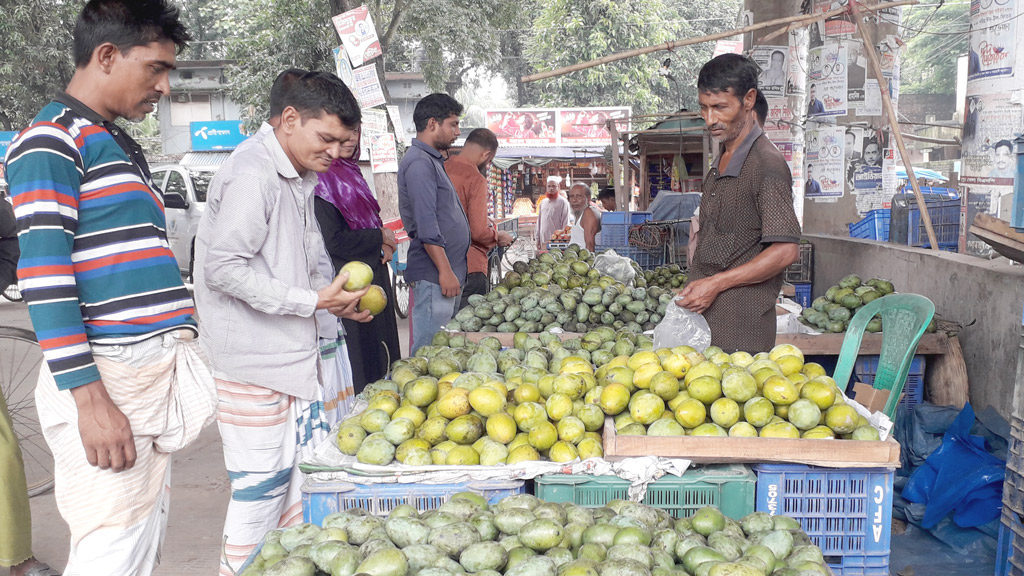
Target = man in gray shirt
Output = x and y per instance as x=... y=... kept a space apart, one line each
x=433 y=216
x=258 y=287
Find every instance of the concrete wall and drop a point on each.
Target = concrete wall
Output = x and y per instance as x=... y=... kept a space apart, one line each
x=985 y=297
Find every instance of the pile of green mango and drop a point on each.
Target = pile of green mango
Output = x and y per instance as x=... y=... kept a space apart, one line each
x=561 y=289
x=833 y=311
x=670 y=277
x=522 y=535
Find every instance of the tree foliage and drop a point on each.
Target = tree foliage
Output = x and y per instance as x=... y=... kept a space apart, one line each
x=36 y=57
x=935 y=37
x=571 y=31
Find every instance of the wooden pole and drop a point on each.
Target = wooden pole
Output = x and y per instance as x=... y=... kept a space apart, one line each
x=894 y=124
x=805 y=20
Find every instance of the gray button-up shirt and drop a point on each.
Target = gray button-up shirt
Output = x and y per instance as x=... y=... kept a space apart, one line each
x=257 y=253
x=431 y=213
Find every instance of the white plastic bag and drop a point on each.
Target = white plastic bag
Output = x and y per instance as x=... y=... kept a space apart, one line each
x=618 y=267
x=681 y=327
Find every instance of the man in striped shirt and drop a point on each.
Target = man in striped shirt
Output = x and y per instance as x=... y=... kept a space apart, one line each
x=105 y=296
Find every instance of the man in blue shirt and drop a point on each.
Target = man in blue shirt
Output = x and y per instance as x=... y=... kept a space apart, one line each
x=433 y=216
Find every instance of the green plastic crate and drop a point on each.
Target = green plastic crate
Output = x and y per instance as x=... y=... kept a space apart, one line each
x=729 y=487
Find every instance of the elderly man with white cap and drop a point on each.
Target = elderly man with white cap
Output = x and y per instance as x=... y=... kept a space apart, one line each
x=553 y=213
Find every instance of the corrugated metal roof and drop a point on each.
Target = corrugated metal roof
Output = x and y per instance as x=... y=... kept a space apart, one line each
x=197 y=159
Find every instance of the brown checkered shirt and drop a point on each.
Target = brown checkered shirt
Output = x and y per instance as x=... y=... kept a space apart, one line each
x=742 y=211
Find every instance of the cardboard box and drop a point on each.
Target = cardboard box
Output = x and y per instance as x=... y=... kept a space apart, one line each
x=870 y=397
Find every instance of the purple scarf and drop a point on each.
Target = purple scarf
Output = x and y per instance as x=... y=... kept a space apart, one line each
x=343 y=186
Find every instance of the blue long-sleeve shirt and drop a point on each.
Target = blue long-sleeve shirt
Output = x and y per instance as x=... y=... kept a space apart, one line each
x=431 y=213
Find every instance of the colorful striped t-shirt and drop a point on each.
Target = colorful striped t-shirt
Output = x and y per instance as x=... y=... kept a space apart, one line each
x=95 y=263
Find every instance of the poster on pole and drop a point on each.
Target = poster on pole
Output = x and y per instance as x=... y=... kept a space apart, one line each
x=796 y=79
x=588 y=126
x=383 y=153
x=836 y=25
x=993 y=41
x=375 y=121
x=342 y=67
x=827 y=86
x=856 y=74
x=823 y=168
x=774 y=64
x=890 y=182
x=523 y=127
x=367 y=87
x=727 y=47
x=865 y=169
x=991 y=121
x=781 y=121
x=358 y=35
x=396 y=120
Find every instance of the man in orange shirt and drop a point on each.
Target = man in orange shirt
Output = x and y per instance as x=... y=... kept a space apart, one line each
x=465 y=172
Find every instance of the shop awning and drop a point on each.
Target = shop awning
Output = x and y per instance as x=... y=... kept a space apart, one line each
x=205 y=159
x=901 y=172
x=537 y=156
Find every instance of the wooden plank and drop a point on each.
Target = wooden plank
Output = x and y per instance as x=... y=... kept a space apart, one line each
x=708 y=450
x=1005 y=246
x=831 y=344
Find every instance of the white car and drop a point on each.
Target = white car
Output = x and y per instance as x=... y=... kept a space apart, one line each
x=184 y=190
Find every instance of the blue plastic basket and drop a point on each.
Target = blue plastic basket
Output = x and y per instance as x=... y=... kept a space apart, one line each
x=874 y=226
x=945 y=216
x=1010 y=545
x=803 y=294
x=615 y=226
x=846 y=512
x=866 y=366
x=646 y=259
x=322 y=498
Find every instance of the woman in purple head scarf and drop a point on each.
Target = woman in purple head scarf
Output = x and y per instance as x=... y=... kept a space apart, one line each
x=349 y=218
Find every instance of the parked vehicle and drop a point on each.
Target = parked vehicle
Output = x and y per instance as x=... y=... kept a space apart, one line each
x=184 y=190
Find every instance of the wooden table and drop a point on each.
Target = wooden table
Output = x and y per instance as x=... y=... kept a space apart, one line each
x=831 y=344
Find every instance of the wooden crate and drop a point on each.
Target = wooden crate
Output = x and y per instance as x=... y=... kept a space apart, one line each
x=708 y=450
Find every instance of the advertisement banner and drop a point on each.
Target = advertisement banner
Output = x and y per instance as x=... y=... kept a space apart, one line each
x=358 y=35
x=796 y=80
x=827 y=86
x=396 y=120
x=383 y=153
x=823 y=168
x=774 y=63
x=217 y=135
x=524 y=127
x=990 y=123
x=588 y=126
x=5 y=142
x=367 y=87
x=993 y=39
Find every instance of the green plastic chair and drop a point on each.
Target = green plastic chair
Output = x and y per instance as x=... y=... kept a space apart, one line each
x=905 y=318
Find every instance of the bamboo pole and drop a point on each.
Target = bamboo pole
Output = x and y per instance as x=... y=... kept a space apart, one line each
x=894 y=124
x=804 y=19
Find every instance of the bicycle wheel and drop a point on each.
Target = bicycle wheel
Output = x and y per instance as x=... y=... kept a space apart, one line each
x=12 y=293
x=401 y=291
x=20 y=359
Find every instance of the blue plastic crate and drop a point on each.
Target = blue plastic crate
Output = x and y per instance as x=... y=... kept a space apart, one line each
x=846 y=512
x=866 y=366
x=1010 y=545
x=945 y=215
x=615 y=226
x=803 y=294
x=874 y=226
x=647 y=260
x=320 y=499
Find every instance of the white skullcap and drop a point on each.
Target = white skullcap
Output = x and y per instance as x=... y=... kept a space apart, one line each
x=555 y=179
